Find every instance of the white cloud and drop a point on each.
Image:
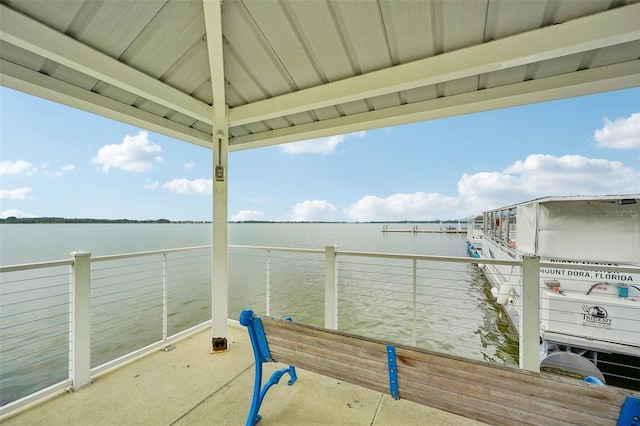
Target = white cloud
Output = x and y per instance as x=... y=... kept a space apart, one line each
x=65 y=169
x=245 y=215
x=151 y=184
x=416 y=206
x=16 y=168
x=322 y=146
x=15 y=213
x=313 y=210
x=185 y=186
x=546 y=175
x=189 y=165
x=485 y=190
x=534 y=177
x=622 y=133
x=15 y=194
x=134 y=154
x=45 y=168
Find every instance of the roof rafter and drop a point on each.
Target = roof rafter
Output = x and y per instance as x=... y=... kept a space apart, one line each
x=213 y=25
x=583 y=34
x=612 y=77
x=37 y=84
x=37 y=38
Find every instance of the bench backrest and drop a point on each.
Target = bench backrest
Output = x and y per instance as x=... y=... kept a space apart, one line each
x=482 y=391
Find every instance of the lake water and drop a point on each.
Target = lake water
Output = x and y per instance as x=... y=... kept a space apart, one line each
x=456 y=312
x=26 y=243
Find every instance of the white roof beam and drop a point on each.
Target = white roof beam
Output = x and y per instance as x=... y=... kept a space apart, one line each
x=34 y=37
x=613 y=77
x=583 y=34
x=37 y=84
x=213 y=25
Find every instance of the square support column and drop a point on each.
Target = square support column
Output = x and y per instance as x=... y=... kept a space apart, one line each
x=330 y=317
x=220 y=279
x=530 y=320
x=80 y=320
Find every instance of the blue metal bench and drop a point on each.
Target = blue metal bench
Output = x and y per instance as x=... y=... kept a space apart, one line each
x=262 y=355
x=478 y=390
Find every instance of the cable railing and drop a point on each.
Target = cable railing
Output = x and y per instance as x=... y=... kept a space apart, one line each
x=291 y=282
x=34 y=325
x=425 y=302
x=63 y=322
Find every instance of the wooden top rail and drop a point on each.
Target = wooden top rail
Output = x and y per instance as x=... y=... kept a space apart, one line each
x=478 y=390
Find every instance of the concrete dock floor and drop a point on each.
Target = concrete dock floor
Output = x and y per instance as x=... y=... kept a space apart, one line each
x=190 y=386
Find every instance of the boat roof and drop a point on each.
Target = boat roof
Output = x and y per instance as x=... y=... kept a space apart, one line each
x=620 y=199
x=594 y=228
x=284 y=71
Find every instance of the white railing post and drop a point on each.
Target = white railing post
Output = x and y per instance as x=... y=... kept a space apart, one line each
x=80 y=320
x=268 y=284
x=415 y=302
x=330 y=288
x=165 y=297
x=530 y=321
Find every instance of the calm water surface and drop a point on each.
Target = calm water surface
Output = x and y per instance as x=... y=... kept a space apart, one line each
x=26 y=243
x=455 y=311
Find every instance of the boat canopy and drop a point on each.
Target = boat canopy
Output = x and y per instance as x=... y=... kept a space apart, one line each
x=601 y=230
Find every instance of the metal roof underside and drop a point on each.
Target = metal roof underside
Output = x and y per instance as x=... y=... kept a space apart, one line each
x=282 y=71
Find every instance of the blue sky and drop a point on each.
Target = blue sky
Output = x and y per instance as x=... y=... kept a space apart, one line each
x=58 y=161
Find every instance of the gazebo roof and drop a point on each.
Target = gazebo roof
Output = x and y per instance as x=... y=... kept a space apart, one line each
x=289 y=70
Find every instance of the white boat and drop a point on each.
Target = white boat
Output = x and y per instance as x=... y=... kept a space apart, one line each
x=593 y=313
x=475 y=231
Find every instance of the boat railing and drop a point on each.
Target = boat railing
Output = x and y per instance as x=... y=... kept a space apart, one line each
x=507 y=244
x=63 y=322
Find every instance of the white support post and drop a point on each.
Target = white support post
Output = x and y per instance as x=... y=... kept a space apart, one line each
x=165 y=297
x=268 y=284
x=414 y=309
x=330 y=288
x=80 y=320
x=220 y=284
x=530 y=321
x=220 y=144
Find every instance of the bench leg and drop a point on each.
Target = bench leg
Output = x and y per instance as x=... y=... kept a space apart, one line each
x=261 y=354
x=259 y=392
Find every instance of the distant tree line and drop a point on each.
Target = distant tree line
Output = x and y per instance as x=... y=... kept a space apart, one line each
x=13 y=219
x=373 y=221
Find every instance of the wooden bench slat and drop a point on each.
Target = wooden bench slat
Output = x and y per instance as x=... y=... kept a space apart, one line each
x=326 y=343
x=336 y=370
x=366 y=350
x=552 y=383
x=309 y=330
x=367 y=382
x=520 y=405
x=517 y=384
x=491 y=412
x=554 y=391
x=326 y=352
